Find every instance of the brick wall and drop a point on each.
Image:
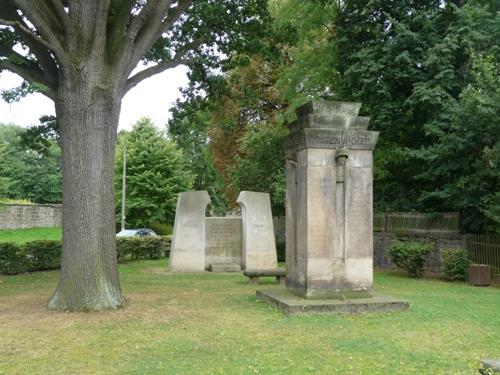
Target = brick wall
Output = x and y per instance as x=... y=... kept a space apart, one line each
x=16 y=216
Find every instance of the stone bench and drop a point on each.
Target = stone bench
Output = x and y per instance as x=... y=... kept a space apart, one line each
x=490 y=366
x=253 y=275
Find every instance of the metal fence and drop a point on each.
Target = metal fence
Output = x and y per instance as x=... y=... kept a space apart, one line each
x=441 y=225
x=484 y=249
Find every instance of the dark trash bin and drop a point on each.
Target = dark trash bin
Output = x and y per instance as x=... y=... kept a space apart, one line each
x=479 y=274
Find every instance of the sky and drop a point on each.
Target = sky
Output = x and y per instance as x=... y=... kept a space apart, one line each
x=152 y=98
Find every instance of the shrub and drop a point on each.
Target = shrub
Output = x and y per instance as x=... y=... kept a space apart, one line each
x=46 y=255
x=281 y=250
x=13 y=260
x=43 y=255
x=455 y=264
x=142 y=248
x=410 y=256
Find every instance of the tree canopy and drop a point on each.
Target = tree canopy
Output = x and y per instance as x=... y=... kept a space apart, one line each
x=423 y=71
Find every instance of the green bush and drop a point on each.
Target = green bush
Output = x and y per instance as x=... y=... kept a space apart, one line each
x=455 y=264
x=46 y=255
x=410 y=256
x=142 y=248
x=43 y=255
x=13 y=260
x=281 y=250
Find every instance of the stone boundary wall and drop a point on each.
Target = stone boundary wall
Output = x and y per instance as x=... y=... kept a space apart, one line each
x=383 y=241
x=22 y=216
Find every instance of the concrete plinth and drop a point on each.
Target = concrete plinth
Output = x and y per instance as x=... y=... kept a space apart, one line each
x=224 y=267
x=291 y=304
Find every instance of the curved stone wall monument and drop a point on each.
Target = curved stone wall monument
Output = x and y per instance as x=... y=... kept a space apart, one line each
x=187 y=253
x=258 y=242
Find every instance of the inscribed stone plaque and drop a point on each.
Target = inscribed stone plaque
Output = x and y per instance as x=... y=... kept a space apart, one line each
x=223 y=240
x=321 y=202
x=258 y=245
x=188 y=243
x=359 y=233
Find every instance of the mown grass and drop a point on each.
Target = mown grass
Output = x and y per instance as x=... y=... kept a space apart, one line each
x=31 y=234
x=213 y=324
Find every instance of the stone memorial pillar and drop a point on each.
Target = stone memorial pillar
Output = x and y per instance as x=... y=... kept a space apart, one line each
x=258 y=243
x=329 y=202
x=187 y=253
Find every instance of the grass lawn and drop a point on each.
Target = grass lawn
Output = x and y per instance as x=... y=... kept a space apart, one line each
x=32 y=234
x=213 y=324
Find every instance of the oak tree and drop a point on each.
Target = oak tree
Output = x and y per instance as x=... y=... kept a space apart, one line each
x=83 y=55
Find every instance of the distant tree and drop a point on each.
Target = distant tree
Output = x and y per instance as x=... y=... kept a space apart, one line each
x=42 y=137
x=260 y=164
x=29 y=174
x=156 y=174
x=188 y=127
x=241 y=102
x=4 y=180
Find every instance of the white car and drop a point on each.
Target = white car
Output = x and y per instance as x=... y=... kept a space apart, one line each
x=142 y=232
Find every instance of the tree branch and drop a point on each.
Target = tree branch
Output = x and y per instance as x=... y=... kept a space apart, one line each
x=35 y=43
x=40 y=19
x=22 y=29
x=100 y=27
x=172 y=17
x=149 y=72
x=178 y=59
x=139 y=21
x=143 y=25
x=43 y=55
x=58 y=8
x=118 y=26
x=154 y=29
x=29 y=73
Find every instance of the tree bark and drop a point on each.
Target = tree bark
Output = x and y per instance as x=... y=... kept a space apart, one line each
x=88 y=113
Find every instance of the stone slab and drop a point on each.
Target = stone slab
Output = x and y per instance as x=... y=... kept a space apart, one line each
x=258 y=242
x=293 y=305
x=222 y=240
x=490 y=366
x=224 y=267
x=188 y=243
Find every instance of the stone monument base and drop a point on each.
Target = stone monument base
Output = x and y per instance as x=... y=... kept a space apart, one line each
x=291 y=304
x=224 y=267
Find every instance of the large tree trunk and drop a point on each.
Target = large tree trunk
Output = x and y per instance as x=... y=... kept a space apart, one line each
x=88 y=118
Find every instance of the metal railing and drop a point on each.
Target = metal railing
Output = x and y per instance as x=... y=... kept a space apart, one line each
x=484 y=249
x=417 y=224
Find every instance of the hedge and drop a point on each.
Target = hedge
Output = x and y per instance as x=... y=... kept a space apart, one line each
x=43 y=255
x=13 y=260
x=142 y=248
x=46 y=255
